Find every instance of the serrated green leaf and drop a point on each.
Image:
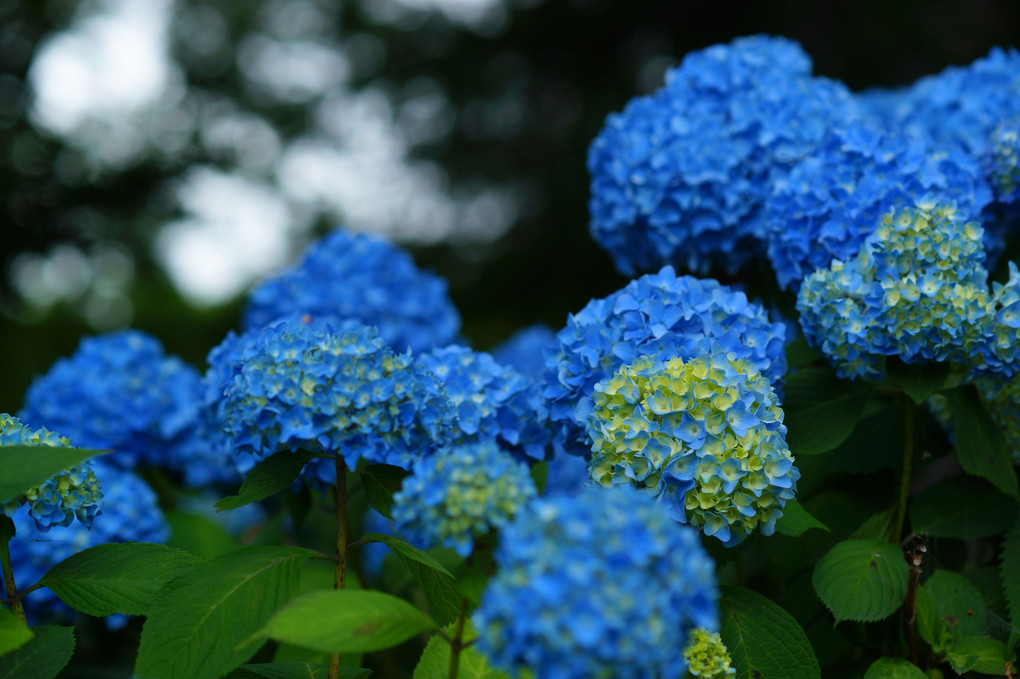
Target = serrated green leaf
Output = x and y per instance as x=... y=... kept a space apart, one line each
x=436 y=582
x=877 y=527
x=345 y=621
x=405 y=550
x=42 y=657
x=198 y=623
x=949 y=608
x=796 y=520
x=981 y=446
x=381 y=481
x=294 y=670
x=435 y=659
x=12 y=633
x=821 y=409
x=273 y=474
x=117 y=578
x=1009 y=569
x=25 y=467
x=763 y=639
x=199 y=535
x=861 y=580
x=979 y=654
x=964 y=508
x=917 y=380
x=894 y=668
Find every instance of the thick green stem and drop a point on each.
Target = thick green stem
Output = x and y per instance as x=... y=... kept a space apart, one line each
x=908 y=458
x=457 y=643
x=340 y=572
x=6 y=533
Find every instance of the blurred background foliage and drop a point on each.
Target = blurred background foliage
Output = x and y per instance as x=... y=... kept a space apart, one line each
x=160 y=155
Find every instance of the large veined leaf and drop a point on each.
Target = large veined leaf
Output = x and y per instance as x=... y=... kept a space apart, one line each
x=436 y=582
x=198 y=624
x=796 y=520
x=980 y=445
x=764 y=641
x=821 y=409
x=25 y=467
x=949 y=608
x=917 y=380
x=964 y=508
x=435 y=660
x=381 y=481
x=42 y=657
x=862 y=580
x=894 y=668
x=294 y=670
x=12 y=633
x=270 y=476
x=1009 y=568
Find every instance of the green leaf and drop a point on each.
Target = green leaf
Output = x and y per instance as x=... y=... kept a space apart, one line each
x=25 y=467
x=979 y=654
x=917 y=380
x=980 y=445
x=12 y=633
x=949 y=608
x=198 y=625
x=294 y=670
x=435 y=660
x=381 y=481
x=1009 y=569
x=407 y=551
x=345 y=621
x=762 y=638
x=796 y=521
x=436 y=582
x=117 y=578
x=894 y=668
x=199 y=535
x=861 y=580
x=821 y=409
x=964 y=508
x=273 y=474
x=877 y=527
x=43 y=657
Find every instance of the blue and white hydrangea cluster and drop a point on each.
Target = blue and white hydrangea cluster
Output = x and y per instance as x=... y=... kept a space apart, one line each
x=461 y=493
x=680 y=176
x=302 y=386
x=831 y=202
x=600 y=584
x=705 y=436
x=491 y=401
x=131 y=514
x=659 y=315
x=58 y=500
x=917 y=289
x=364 y=278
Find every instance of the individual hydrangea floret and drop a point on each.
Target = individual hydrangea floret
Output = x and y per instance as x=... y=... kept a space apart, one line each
x=74 y=492
x=832 y=201
x=461 y=493
x=359 y=277
x=119 y=392
x=525 y=350
x=302 y=386
x=707 y=657
x=492 y=402
x=679 y=177
x=131 y=514
x=660 y=315
x=596 y=585
x=705 y=435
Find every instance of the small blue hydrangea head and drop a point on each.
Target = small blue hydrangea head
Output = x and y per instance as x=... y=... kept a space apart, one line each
x=707 y=657
x=679 y=177
x=362 y=278
x=118 y=392
x=706 y=436
x=302 y=386
x=131 y=514
x=460 y=494
x=660 y=315
x=74 y=492
x=1002 y=163
x=525 y=350
x=492 y=402
x=599 y=584
x=832 y=201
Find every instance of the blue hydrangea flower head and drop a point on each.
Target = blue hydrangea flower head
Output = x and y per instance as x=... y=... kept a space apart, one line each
x=601 y=584
x=704 y=435
x=832 y=201
x=661 y=315
x=359 y=277
x=302 y=386
x=525 y=350
x=74 y=492
x=679 y=177
x=121 y=392
x=131 y=514
x=1002 y=163
x=492 y=402
x=707 y=657
x=461 y=493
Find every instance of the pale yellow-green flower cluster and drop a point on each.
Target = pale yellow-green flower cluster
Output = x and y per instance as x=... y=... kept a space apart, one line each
x=707 y=657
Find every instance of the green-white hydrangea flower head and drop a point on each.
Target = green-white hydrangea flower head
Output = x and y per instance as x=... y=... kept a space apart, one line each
x=707 y=657
x=461 y=493
x=706 y=435
x=74 y=492
x=303 y=386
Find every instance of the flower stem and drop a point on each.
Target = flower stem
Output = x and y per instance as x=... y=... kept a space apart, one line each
x=908 y=458
x=340 y=572
x=6 y=533
x=915 y=559
x=457 y=643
